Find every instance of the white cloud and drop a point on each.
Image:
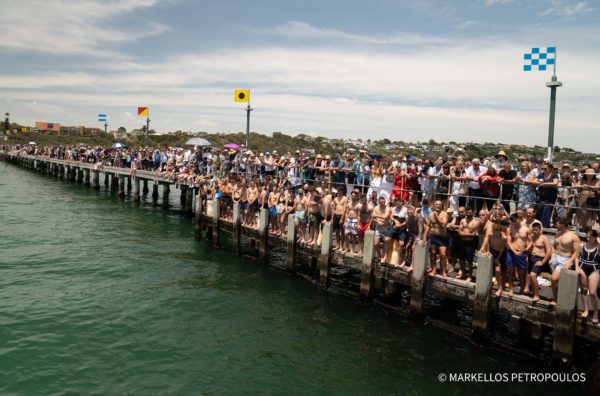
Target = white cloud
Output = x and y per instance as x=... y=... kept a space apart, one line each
x=567 y=9
x=494 y=2
x=465 y=89
x=72 y=26
x=302 y=30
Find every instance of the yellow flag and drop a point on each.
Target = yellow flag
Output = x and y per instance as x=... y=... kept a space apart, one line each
x=241 y=95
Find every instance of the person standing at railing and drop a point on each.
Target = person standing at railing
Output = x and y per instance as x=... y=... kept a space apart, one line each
x=507 y=176
x=472 y=175
x=547 y=183
x=589 y=197
x=526 y=190
x=490 y=189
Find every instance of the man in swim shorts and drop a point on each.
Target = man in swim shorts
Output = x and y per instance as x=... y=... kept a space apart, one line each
x=566 y=249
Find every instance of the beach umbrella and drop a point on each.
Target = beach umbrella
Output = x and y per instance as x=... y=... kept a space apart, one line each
x=32 y=143
x=198 y=142
x=118 y=145
x=232 y=146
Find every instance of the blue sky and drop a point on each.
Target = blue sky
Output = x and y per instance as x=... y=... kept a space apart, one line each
x=405 y=70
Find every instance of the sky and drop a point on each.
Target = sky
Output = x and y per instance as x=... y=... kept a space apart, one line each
x=403 y=70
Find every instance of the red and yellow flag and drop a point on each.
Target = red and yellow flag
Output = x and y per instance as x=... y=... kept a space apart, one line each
x=142 y=111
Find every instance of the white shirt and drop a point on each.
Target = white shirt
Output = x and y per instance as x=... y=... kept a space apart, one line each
x=471 y=172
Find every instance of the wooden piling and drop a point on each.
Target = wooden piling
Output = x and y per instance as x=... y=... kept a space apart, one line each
x=237 y=228
x=263 y=231
x=165 y=198
x=290 y=258
x=483 y=296
x=216 y=215
x=189 y=201
x=136 y=190
x=154 y=190
x=198 y=217
x=86 y=177
x=324 y=258
x=114 y=182
x=564 y=323
x=96 y=180
x=106 y=180
x=79 y=175
x=145 y=190
x=121 y=190
x=419 y=277
x=368 y=266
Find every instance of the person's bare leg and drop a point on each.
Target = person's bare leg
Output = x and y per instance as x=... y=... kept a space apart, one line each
x=511 y=275
x=535 y=286
x=443 y=261
x=386 y=245
x=523 y=286
x=433 y=261
x=499 y=280
x=554 y=281
x=401 y=254
x=593 y=280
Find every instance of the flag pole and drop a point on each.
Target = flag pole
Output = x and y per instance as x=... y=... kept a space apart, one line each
x=248 y=110
x=147 y=127
x=553 y=84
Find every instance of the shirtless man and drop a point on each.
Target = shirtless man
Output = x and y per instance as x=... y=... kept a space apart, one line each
x=566 y=249
x=530 y=219
x=494 y=243
x=263 y=194
x=412 y=229
x=272 y=200
x=252 y=196
x=381 y=218
x=468 y=233
x=516 y=258
x=541 y=251
x=340 y=206
x=243 y=191
x=438 y=238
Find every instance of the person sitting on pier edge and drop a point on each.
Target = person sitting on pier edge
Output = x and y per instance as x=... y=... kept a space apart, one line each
x=566 y=249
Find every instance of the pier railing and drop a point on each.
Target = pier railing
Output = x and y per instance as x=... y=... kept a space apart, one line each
x=375 y=278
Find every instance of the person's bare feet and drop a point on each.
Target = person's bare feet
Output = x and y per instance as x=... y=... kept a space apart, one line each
x=585 y=314
x=552 y=303
x=510 y=292
x=536 y=299
x=595 y=317
x=410 y=269
x=468 y=280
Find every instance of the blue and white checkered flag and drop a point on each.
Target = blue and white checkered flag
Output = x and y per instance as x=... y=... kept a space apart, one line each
x=539 y=58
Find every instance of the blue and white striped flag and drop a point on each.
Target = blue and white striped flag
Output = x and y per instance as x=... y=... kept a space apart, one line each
x=539 y=58
x=101 y=117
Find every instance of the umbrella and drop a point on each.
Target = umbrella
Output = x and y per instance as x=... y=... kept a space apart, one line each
x=232 y=146
x=198 y=142
x=32 y=143
x=118 y=145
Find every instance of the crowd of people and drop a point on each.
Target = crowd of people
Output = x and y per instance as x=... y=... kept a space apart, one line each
x=455 y=204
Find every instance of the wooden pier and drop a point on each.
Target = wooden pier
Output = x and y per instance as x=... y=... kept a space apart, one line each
x=376 y=280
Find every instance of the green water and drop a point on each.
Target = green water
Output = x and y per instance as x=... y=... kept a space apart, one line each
x=100 y=296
